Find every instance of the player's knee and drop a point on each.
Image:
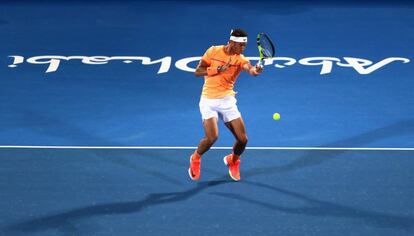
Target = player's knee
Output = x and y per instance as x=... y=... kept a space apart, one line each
x=211 y=139
x=243 y=139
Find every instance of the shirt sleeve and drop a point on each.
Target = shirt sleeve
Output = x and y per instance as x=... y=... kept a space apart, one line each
x=243 y=60
x=207 y=55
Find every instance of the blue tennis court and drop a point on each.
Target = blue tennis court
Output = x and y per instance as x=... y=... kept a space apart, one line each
x=99 y=115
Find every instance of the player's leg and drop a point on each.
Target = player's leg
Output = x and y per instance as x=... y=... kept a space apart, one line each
x=209 y=116
x=210 y=137
x=238 y=129
x=235 y=124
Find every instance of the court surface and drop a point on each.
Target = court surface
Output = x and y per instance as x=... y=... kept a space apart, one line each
x=99 y=115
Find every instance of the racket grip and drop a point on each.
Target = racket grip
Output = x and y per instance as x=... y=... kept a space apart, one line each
x=260 y=63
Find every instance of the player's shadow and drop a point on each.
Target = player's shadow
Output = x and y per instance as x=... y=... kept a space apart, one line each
x=316 y=157
x=63 y=221
x=319 y=208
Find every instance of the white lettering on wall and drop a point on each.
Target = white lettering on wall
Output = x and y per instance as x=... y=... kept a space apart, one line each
x=326 y=64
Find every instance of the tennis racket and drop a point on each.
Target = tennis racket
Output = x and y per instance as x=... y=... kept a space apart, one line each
x=265 y=46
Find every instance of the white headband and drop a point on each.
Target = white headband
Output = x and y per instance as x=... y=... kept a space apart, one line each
x=238 y=39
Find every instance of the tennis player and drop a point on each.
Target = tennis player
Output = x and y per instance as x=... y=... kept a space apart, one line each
x=220 y=66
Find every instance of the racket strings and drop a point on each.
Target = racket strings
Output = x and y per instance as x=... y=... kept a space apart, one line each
x=267 y=47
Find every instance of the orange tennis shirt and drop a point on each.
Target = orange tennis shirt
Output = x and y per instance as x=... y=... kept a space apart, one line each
x=221 y=84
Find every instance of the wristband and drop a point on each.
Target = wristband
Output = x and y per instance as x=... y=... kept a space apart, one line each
x=212 y=71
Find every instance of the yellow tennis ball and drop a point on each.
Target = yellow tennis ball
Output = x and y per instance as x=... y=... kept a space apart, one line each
x=276 y=116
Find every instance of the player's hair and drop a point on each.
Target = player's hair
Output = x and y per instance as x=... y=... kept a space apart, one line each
x=238 y=33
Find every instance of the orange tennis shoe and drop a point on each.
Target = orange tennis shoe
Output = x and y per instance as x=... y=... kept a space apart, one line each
x=233 y=167
x=194 y=170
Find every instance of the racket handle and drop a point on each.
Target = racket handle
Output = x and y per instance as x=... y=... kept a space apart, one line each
x=260 y=63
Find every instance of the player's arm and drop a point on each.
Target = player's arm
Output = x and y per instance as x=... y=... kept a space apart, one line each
x=204 y=69
x=201 y=69
x=252 y=70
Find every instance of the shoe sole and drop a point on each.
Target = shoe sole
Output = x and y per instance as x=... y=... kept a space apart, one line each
x=227 y=164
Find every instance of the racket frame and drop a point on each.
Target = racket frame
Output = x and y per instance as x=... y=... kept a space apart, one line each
x=259 y=46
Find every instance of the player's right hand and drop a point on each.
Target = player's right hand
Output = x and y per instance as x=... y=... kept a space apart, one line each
x=259 y=68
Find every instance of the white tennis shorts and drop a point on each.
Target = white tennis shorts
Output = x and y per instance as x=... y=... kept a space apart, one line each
x=225 y=107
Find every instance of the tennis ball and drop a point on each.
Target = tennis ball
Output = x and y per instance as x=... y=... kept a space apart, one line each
x=276 y=116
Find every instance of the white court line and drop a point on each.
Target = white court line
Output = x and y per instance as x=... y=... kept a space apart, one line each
x=186 y=148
